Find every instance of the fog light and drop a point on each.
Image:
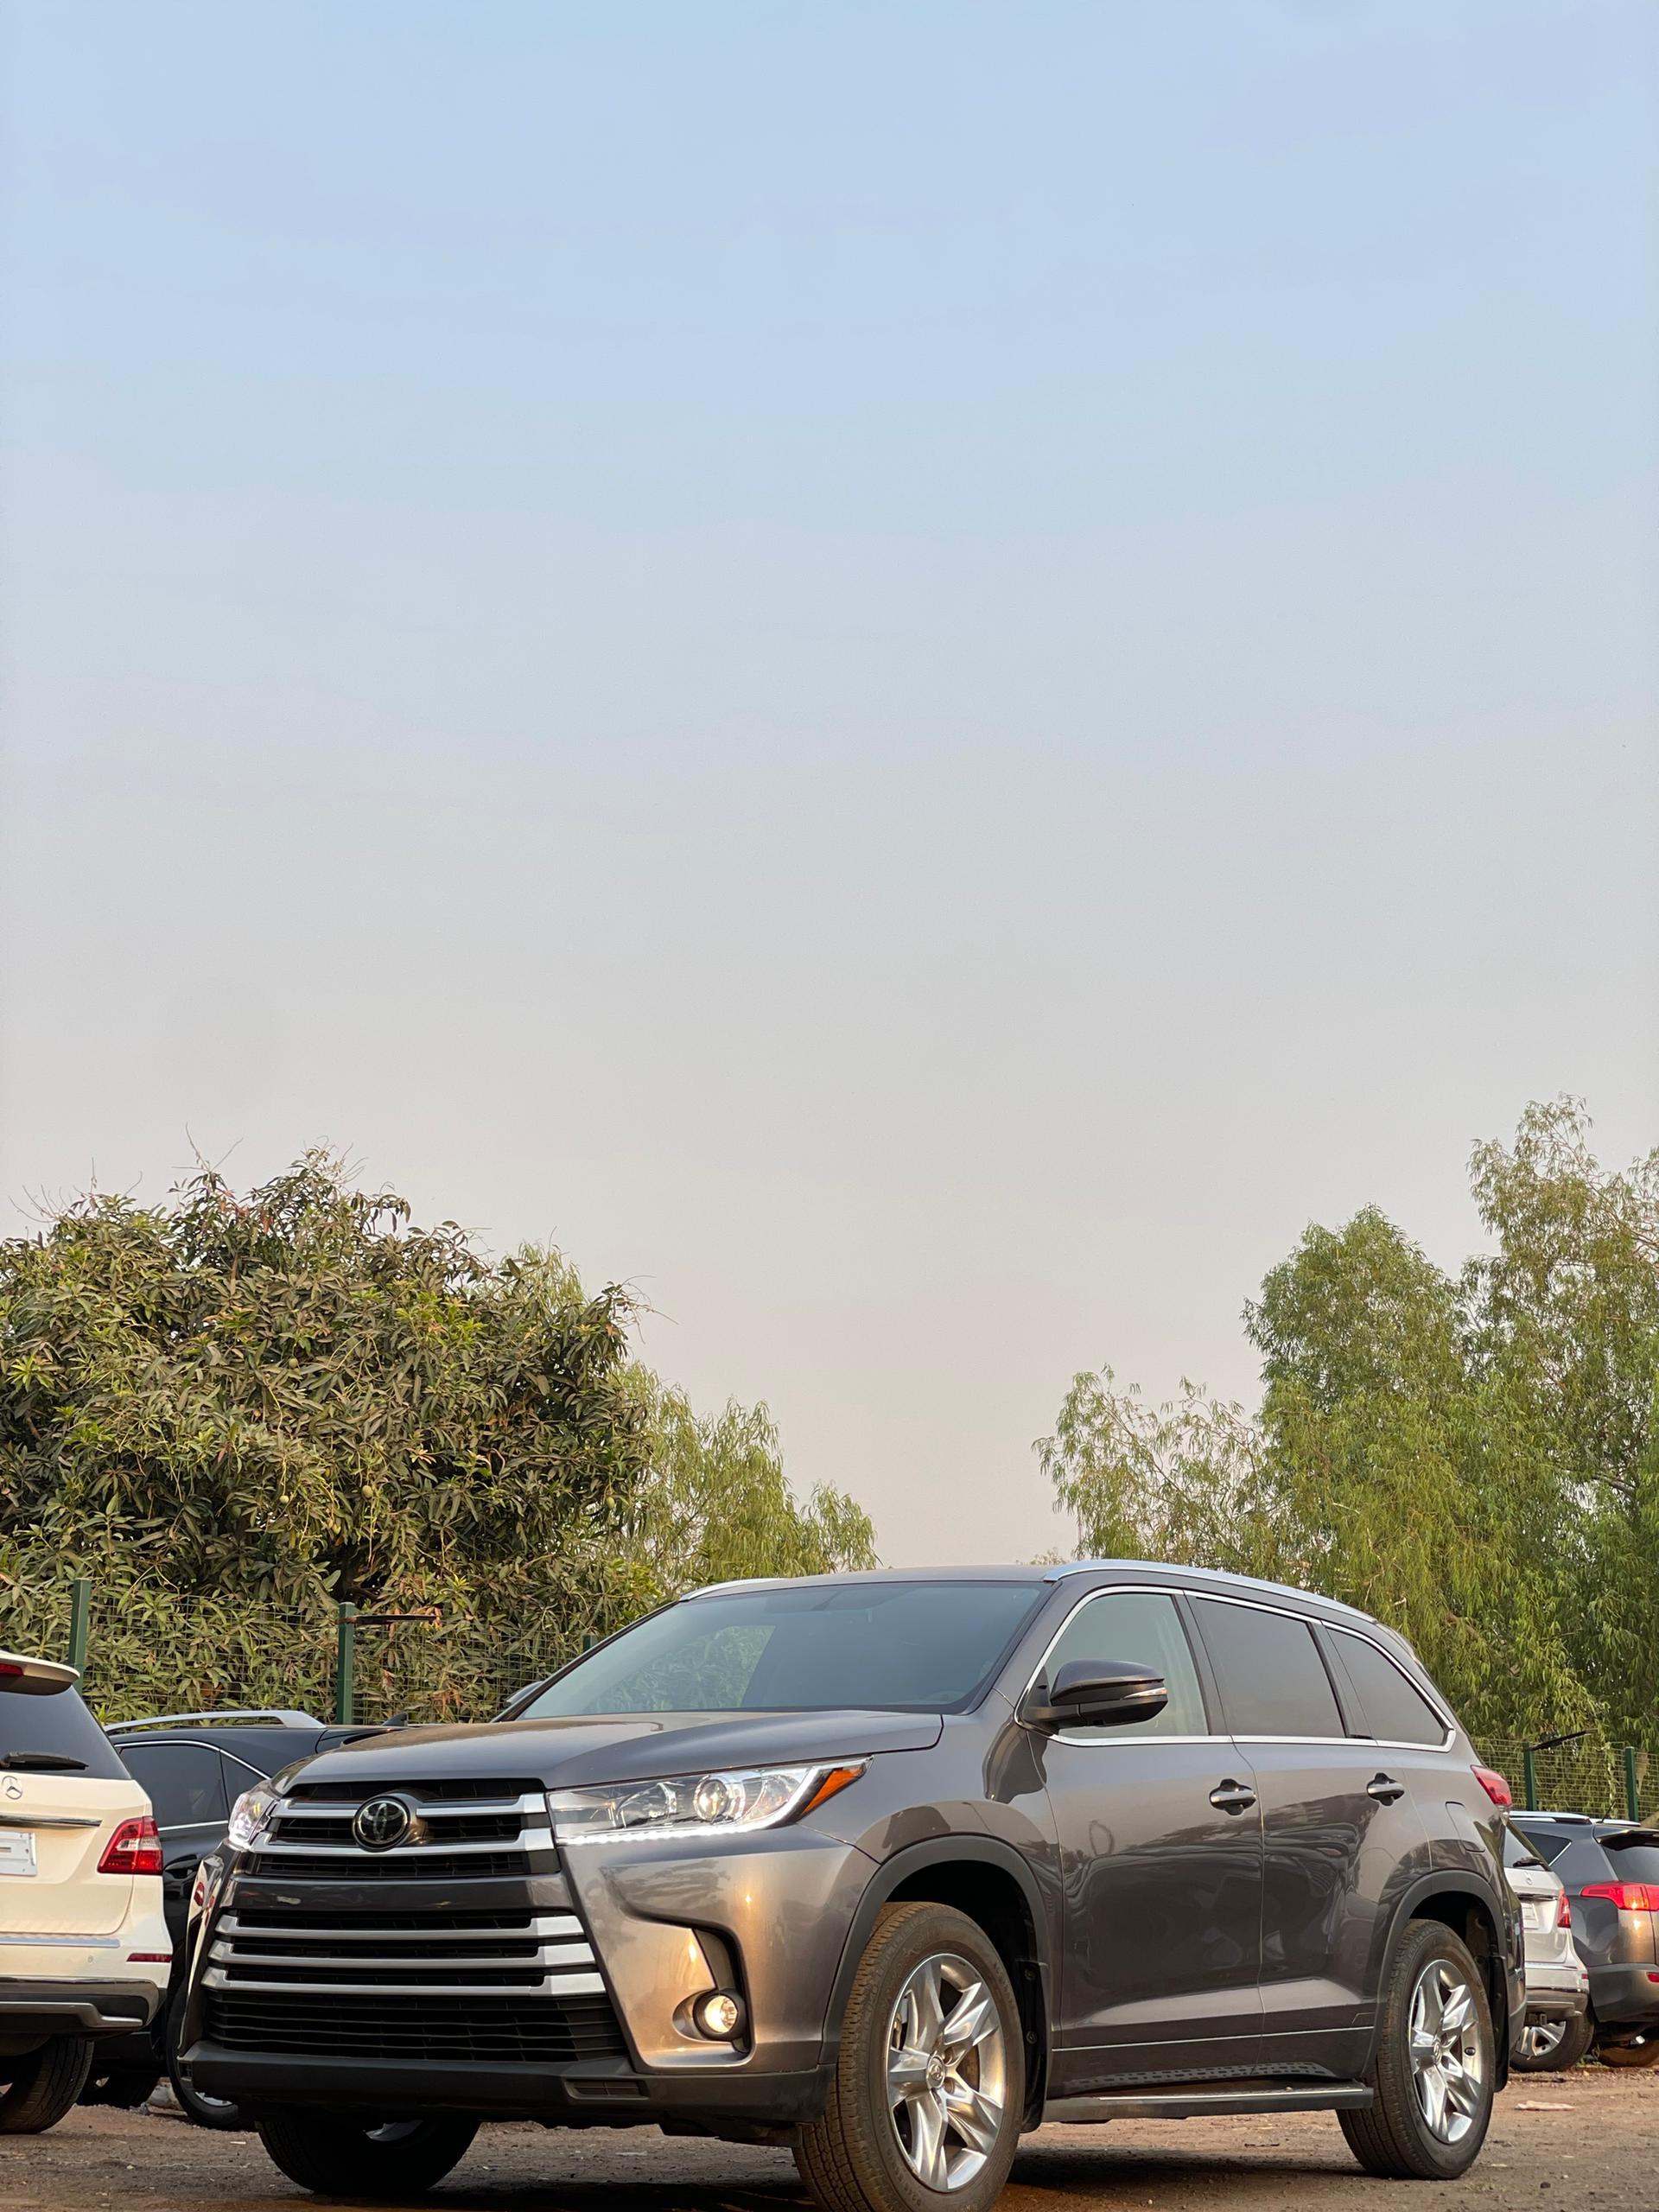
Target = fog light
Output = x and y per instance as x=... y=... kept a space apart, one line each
x=719 y=2015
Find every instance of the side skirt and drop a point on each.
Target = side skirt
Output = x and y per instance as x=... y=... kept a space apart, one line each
x=1194 y=2103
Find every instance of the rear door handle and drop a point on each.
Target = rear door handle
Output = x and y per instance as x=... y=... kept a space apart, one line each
x=1230 y=1796
x=1385 y=1789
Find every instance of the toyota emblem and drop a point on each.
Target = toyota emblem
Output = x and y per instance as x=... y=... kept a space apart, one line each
x=381 y=1823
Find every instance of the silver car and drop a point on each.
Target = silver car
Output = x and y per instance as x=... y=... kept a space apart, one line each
x=1559 y=2026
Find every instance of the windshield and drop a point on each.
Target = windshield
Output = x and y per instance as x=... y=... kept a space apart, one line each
x=881 y=1646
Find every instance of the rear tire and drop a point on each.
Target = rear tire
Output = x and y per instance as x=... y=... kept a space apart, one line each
x=1436 y=2061
x=931 y=2078
x=45 y=2083
x=1630 y=2055
x=337 y=2156
x=1551 y=2046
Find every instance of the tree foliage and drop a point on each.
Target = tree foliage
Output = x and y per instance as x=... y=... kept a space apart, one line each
x=1475 y=1458
x=235 y=1411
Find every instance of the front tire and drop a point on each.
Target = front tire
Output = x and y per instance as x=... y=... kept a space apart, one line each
x=203 y=2111
x=1551 y=2046
x=334 y=2155
x=44 y=2085
x=925 y=2107
x=1436 y=2061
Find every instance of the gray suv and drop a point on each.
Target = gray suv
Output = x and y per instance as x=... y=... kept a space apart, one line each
x=888 y=1868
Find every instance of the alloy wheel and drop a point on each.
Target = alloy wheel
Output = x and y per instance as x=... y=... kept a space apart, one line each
x=1448 y=2066
x=946 y=2072
x=1541 y=2039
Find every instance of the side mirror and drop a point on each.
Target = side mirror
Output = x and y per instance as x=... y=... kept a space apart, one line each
x=1099 y=1694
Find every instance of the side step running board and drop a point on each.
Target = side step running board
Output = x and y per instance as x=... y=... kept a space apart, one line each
x=1193 y=2103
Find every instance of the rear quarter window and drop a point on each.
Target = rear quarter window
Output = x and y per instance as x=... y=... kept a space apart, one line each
x=1396 y=1710
x=55 y=1726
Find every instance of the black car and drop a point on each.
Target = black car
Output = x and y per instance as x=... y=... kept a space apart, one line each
x=1610 y=1869
x=889 y=1868
x=194 y=1766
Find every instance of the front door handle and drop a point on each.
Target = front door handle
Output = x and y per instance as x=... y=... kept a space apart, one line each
x=1230 y=1796
x=1385 y=1789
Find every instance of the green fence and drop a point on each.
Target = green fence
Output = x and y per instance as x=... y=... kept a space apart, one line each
x=143 y=1651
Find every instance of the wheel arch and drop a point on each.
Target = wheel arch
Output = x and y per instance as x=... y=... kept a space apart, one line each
x=989 y=1882
x=1465 y=1905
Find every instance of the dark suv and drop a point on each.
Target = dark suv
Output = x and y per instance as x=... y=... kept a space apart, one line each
x=1610 y=1869
x=194 y=1766
x=888 y=1868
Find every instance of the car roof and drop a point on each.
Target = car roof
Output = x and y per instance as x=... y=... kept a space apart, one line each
x=1044 y=1572
x=1597 y=1824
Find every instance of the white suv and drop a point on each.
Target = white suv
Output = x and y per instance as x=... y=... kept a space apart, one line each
x=84 y=1948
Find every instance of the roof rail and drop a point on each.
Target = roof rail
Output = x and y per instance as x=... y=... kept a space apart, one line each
x=271 y=1717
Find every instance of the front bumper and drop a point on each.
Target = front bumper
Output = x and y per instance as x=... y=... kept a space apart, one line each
x=650 y=1927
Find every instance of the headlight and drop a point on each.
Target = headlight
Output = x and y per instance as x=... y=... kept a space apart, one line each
x=250 y=1813
x=696 y=1804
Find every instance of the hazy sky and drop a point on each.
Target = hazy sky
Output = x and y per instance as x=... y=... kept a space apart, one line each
x=916 y=675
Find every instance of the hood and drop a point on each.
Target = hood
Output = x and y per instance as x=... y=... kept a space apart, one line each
x=624 y=1747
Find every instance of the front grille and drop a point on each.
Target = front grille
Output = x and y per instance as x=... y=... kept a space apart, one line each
x=501 y=1980
x=388 y=1866
x=284 y=1949
x=535 y=2030
x=459 y=1830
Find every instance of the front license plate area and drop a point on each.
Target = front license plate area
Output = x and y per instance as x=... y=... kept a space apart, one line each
x=17 y=1851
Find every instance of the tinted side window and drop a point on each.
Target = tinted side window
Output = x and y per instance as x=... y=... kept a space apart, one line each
x=185 y=1782
x=58 y=1725
x=1142 y=1625
x=1549 y=1843
x=1395 y=1711
x=1272 y=1679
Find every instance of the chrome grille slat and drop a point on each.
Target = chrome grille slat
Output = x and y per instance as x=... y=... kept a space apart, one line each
x=553 y=1985
x=526 y=1840
x=451 y=1808
x=553 y=1927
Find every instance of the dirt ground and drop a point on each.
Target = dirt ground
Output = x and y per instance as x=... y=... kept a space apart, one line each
x=1589 y=2139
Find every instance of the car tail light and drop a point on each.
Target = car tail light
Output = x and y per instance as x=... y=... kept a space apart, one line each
x=1628 y=1897
x=1564 y=1917
x=135 y=1848
x=1494 y=1786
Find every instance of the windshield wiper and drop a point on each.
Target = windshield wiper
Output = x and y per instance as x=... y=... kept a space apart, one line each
x=43 y=1762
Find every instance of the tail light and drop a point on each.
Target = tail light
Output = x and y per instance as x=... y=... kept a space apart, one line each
x=1494 y=1786
x=1628 y=1897
x=1564 y=1915
x=135 y=1848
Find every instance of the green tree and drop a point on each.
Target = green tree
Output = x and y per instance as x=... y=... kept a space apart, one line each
x=1474 y=1458
x=234 y=1412
x=718 y=1508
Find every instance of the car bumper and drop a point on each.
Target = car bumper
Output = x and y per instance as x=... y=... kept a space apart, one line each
x=1556 y=1992
x=47 y=2006
x=1625 y=1996
x=662 y=1927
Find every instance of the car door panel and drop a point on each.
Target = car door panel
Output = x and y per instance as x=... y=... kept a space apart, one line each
x=1161 y=1886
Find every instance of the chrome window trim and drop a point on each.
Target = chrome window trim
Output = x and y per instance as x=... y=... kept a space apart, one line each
x=1311 y=1622
x=1118 y=1740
